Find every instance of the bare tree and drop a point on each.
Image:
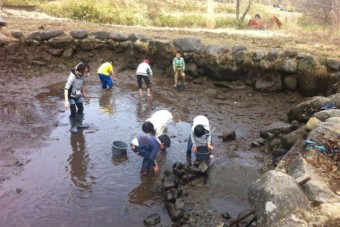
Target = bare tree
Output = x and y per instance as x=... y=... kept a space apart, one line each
x=322 y=11
x=238 y=5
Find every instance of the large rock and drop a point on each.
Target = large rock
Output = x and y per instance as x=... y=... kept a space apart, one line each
x=325 y=131
x=189 y=45
x=221 y=72
x=135 y=36
x=233 y=176
x=60 y=42
x=45 y=35
x=216 y=50
x=17 y=34
x=270 y=82
x=305 y=63
x=316 y=189
x=275 y=128
x=325 y=114
x=289 y=139
x=119 y=37
x=272 y=55
x=303 y=111
x=79 y=34
x=275 y=196
x=290 y=82
x=333 y=64
x=335 y=99
x=289 y=66
x=191 y=69
x=101 y=35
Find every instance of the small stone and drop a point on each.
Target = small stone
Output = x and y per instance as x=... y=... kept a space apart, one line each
x=226 y=215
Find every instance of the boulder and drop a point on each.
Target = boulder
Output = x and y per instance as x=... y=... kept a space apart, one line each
x=191 y=69
x=259 y=55
x=135 y=36
x=305 y=110
x=238 y=48
x=17 y=34
x=101 y=35
x=60 y=42
x=333 y=64
x=272 y=55
x=45 y=35
x=312 y=123
x=290 y=139
x=290 y=82
x=251 y=77
x=189 y=45
x=325 y=131
x=233 y=176
x=323 y=115
x=79 y=34
x=289 y=54
x=275 y=196
x=119 y=37
x=275 y=128
x=216 y=50
x=289 y=66
x=316 y=189
x=306 y=63
x=229 y=134
x=270 y=82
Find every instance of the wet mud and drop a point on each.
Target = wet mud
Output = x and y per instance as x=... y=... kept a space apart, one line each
x=50 y=178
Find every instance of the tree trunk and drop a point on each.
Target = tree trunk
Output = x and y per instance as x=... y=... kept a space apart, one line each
x=246 y=11
x=238 y=3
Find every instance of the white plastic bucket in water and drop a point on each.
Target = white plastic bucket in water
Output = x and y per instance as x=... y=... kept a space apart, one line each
x=119 y=148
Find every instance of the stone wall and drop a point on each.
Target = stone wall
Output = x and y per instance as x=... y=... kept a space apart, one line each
x=270 y=70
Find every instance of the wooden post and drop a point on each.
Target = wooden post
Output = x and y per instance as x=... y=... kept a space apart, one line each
x=302 y=180
x=241 y=218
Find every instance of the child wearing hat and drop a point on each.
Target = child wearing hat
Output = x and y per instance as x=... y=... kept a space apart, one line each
x=144 y=72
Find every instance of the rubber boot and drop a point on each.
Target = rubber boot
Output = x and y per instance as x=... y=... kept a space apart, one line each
x=73 y=125
x=79 y=120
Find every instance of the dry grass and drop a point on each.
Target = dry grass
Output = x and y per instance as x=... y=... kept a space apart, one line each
x=190 y=14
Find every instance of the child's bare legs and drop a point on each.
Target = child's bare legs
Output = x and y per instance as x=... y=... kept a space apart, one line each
x=183 y=77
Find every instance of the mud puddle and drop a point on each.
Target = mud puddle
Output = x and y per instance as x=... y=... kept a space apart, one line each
x=74 y=181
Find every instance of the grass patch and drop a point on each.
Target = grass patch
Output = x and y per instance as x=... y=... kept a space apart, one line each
x=23 y=2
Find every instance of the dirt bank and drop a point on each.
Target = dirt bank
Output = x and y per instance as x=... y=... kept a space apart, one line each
x=309 y=42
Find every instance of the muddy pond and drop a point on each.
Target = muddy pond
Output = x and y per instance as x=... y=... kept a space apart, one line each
x=73 y=180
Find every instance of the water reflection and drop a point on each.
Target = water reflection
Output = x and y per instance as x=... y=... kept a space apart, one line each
x=144 y=108
x=107 y=102
x=79 y=161
x=119 y=159
x=146 y=192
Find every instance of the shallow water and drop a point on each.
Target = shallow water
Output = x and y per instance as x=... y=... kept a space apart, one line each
x=73 y=180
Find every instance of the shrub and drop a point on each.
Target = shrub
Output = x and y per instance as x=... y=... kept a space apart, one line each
x=226 y=22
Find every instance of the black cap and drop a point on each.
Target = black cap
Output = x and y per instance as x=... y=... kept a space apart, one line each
x=165 y=139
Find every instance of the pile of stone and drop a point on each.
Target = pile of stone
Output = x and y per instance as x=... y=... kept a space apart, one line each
x=277 y=196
